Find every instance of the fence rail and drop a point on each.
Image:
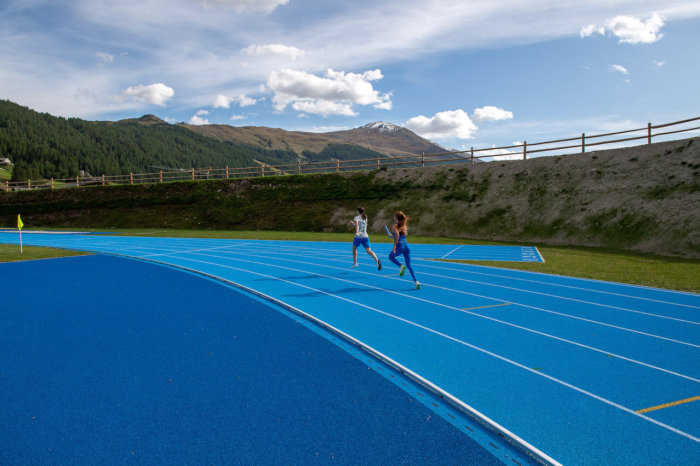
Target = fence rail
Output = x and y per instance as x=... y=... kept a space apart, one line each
x=456 y=157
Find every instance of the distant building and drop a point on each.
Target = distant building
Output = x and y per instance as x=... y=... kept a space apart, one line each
x=5 y=161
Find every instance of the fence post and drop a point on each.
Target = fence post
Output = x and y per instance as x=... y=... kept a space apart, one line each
x=649 y=132
x=583 y=143
x=227 y=172
x=29 y=184
x=7 y=185
x=298 y=166
x=262 y=169
x=377 y=163
x=52 y=182
x=161 y=176
x=131 y=178
x=193 y=174
x=77 y=181
x=471 y=152
x=103 y=179
x=422 y=160
x=337 y=166
x=524 y=150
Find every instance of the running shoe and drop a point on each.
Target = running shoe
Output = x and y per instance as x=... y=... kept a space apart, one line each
x=417 y=285
x=379 y=264
x=402 y=271
x=354 y=265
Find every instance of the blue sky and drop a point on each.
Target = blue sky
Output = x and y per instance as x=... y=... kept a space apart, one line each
x=478 y=73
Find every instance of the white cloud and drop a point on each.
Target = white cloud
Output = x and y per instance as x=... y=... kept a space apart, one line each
x=501 y=154
x=591 y=29
x=334 y=94
x=658 y=64
x=491 y=113
x=203 y=112
x=266 y=6
x=619 y=68
x=105 y=57
x=221 y=101
x=444 y=125
x=324 y=107
x=198 y=120
x=274 y=49
x=633 y=30
x=157 y=94
x=629 y=29
x=237 y=117
x=244 y=101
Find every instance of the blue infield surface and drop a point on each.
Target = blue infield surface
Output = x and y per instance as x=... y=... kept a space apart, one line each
x=575 y=371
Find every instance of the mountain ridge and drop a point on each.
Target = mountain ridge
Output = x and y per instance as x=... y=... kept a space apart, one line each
x=386 y=138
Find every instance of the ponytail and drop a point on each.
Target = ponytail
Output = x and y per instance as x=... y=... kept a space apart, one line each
x=361 y=211
x=401 y=222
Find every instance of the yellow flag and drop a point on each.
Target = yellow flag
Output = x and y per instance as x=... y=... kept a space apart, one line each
x=19 y=222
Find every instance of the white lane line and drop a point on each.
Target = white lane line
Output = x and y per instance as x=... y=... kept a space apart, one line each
x=557 y=313
x=521 y=443
x=554 y=312
x=474 y=347
x=591 y=290
x=179 y=251
x=564 y=340
x=549 y=295
x=469 y=270
x=452 y=251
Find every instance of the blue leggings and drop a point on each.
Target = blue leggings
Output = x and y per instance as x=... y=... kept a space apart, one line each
x=402 y=248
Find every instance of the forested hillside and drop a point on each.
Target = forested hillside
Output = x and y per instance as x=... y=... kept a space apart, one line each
x=339 y=151
x=44 y=146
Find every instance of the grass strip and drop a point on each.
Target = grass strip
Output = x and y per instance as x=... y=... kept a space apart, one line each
x=609 y=265
x=10 y=253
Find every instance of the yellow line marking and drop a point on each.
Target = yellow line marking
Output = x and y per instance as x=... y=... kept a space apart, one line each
x=482 y=307
x=668 y=405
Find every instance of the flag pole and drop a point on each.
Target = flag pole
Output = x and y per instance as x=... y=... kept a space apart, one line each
x=20 y=224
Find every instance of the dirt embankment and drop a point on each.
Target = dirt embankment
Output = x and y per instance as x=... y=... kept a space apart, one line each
x=645 y=198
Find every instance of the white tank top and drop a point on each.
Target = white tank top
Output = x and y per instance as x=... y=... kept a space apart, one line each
x=361 y=227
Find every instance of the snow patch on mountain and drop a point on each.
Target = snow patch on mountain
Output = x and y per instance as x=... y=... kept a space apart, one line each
x=382 y=127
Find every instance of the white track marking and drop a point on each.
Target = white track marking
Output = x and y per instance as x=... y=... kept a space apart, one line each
x=581 y=345
x=549 y=295
x=474 y=347
x=550 y=311
x=591 y=290
x=452 y=251
x=192 y=250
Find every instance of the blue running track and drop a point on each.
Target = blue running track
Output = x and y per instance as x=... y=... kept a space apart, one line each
x=106 y=360
x=576 y=371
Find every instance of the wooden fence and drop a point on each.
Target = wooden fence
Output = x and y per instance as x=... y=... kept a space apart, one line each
x=570 y=145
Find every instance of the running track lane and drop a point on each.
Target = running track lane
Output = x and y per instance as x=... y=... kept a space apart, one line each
x=564 y=364
x=108 y=360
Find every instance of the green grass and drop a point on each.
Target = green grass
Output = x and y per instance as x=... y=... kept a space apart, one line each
x=377 y=237
x=6 y=172
x=615 y=266
x=10 y=253
x=599 y=264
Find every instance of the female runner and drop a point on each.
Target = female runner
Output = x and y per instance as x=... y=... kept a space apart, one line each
x=399 y=231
